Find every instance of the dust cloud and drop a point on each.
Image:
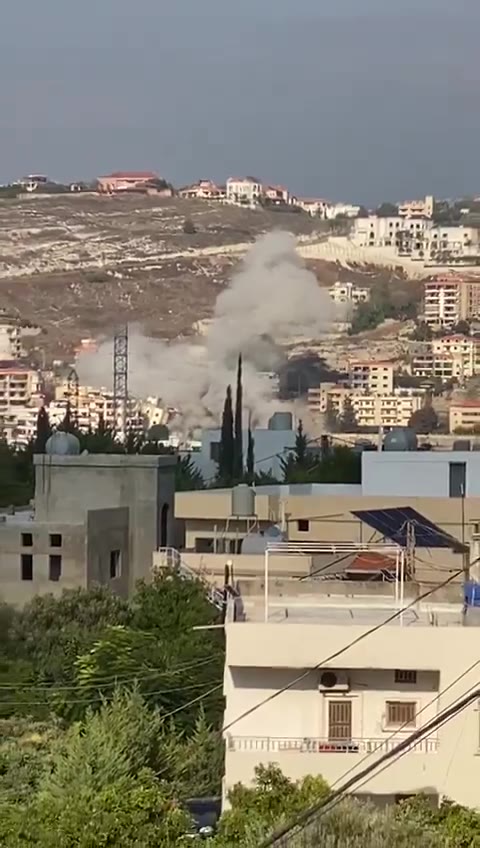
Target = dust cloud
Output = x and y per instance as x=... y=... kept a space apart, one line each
x=272 y=300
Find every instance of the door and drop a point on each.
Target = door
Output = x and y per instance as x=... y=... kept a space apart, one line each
x=339 y=721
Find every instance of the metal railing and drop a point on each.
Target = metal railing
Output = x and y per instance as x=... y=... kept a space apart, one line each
x=312 y=745
x=171 y=558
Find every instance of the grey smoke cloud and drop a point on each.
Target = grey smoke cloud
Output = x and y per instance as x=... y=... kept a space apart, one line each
x=270 y=300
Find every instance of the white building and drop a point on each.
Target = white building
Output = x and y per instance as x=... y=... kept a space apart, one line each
x=394 y=232
x=371 y=376
x=348 y=293
x=346 y=210
x=285 y=702
x=464 y=352
x=443 y=301
x=371 y=410
x=244 y=191
x=277 y=194
x=317 y=207
x=417 y=208
x=464 y=415
x=203 y=190
x=10 y=340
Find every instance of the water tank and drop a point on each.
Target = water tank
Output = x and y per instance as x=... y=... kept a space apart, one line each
x=62 y=444
x=400 y=439
x=281 y=421
x=462 y=445
x=243 y=500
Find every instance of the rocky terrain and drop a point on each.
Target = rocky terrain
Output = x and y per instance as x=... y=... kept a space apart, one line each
x=79 y=265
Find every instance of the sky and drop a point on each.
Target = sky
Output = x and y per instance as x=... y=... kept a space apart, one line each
x=359 y=100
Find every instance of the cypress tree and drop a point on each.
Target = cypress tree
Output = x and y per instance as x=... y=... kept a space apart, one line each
x=43 y=432
x=226 y=454
x=238 y=439
x=67 y=424
x=250 y=456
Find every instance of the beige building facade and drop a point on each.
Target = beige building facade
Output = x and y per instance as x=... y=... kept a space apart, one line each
x=285 y=704
x=371 y=409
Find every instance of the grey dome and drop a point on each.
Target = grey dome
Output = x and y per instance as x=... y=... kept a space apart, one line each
x=62 y=444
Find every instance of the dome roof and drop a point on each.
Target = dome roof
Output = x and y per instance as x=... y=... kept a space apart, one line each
x=62 y=444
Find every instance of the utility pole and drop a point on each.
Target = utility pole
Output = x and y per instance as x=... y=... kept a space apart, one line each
x=120 y=381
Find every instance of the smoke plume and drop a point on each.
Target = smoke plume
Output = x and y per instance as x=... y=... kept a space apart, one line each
x=273 y=299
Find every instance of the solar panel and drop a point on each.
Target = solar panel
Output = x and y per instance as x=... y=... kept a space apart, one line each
x=393 y=524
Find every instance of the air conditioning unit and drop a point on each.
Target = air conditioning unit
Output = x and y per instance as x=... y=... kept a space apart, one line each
x=333 y=681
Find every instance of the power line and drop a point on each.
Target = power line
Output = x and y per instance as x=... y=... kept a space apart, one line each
x=99 y=697
x=111 y=680
x=341 y=651
x=325 y=805
x=399 y=729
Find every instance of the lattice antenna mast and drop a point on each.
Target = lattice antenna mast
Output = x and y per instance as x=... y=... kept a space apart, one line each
x=120 y=381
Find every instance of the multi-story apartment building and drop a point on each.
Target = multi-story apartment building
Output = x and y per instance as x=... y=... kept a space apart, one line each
x=417 y=208
x=348 y=293
x=19 y=386
x=371 y=376
x=465 y=415
x=285 y=702
x=245 y=191
x=444 y=301
x=403 y=235
x=392 y=409
x=443 y=244
x=10 y=340
x=464 y=352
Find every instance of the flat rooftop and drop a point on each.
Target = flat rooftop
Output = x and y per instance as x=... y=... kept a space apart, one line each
x=363 y=611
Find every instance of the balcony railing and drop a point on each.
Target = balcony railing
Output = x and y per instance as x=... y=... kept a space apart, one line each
x=311 y=745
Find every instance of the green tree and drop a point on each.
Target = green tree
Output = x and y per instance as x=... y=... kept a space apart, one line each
x=226 y=464
x=187 y=475
x=387 y=210
x=189 y=227
x=347 y=421
x=424 y=420
x=250 y=457
x=256 y=811
x=238 y=428
x=43 y=432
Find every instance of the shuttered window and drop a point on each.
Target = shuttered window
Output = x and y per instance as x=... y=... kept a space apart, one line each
x=401 y=713
x=339 y=720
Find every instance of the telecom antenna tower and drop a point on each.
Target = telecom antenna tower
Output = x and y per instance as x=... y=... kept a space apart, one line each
x=120 y=381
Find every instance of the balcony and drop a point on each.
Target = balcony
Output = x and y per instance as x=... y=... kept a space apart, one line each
x=312 y=745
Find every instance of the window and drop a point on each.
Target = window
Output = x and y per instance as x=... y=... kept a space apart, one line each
x=27 y=566
x=55 y=540
x=457 y=479
x=405 y=675
x=303 y=525
x=401 y=713
x=27 y=540
x=115 y=564
x=54 y=567
x=215 y=451
x=339 y=721
x=203 y=545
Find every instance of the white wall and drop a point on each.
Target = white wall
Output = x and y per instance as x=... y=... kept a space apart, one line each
x=417 y=473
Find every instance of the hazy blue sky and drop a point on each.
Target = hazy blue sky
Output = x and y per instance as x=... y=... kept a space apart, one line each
x=350 y=99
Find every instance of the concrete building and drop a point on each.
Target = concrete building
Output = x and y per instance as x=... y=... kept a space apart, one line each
x=244 y=191
x=404 y=235
x=464 y=352
x=277 y=195
x=10 y=340
x=203 y=190
x=371 y=376
x=314 y=206
x=446 y=244
x=464 y=415
x=417 y=208
x=349 y=293
x=124 y=180
x=271 y=446
x=371 y=410
x=444 y=301
x=284 y=704
x=96 y=520
x=20 y=388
